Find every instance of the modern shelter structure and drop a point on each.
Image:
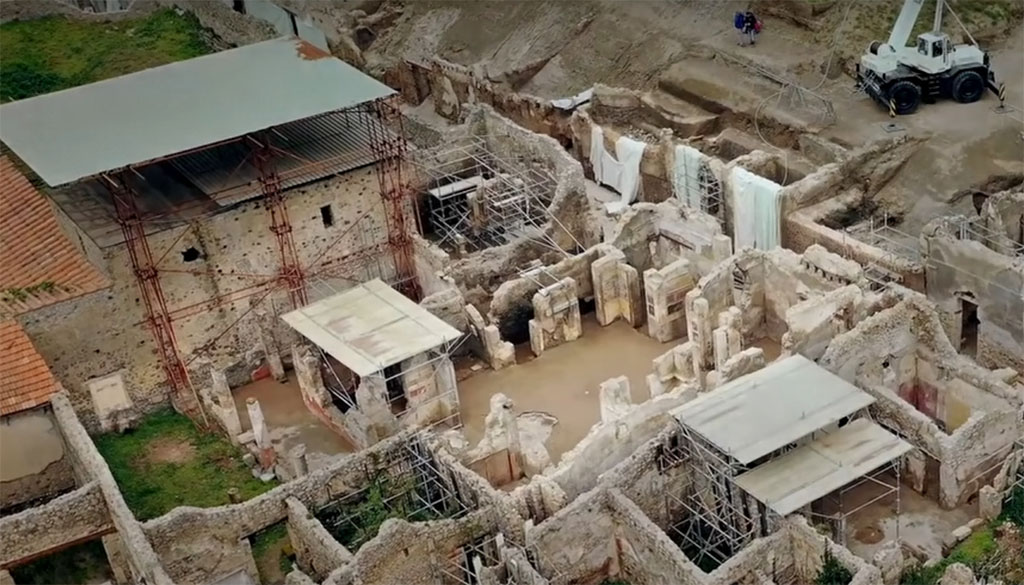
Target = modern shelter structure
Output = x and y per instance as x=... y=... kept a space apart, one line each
x=384 y=355
x=771 y=443
x=168 y=147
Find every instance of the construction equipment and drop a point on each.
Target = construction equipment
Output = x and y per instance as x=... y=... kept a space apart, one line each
x=900 y=77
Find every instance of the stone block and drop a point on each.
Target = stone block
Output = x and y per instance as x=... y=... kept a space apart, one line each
x=990 y=503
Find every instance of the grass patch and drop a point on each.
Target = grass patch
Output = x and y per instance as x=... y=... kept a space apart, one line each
x=54 y=53
x=977 y=552
x=166 y=462
x=355 y=522
x=84 y=563
x=273 y=553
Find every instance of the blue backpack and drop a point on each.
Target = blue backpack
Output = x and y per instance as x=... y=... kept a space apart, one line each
x=738 y=20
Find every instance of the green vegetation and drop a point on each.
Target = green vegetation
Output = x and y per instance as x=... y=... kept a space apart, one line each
x=166 y=462
x=832 y=572
x=272 y=550
x=54 y=53
x=352 y=524
x=982 y=551
x=21 y=294
x=85 y=563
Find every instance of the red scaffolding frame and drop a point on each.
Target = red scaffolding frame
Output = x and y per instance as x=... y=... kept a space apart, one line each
x=389 y=147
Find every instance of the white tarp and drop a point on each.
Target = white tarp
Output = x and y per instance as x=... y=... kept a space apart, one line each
x=571 y=103
x=621 y=172
x=756 y=214
x=685 y=175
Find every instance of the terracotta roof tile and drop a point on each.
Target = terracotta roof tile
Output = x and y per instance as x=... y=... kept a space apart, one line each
x=39 y=265
x=25 y=379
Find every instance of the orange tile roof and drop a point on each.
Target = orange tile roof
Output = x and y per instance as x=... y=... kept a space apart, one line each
x=39 y=266
x=25 y=379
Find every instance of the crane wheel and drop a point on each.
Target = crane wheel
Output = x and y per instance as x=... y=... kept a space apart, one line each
x=905 y=96
x=968 y=87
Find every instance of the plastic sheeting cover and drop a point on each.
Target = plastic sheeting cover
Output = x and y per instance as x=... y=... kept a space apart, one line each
x=621 y=172
x=757 y=210
x=685 y=171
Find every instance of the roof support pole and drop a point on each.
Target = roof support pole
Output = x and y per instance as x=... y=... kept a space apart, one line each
x=148 y=278
x=390 y=149
x=270 y=183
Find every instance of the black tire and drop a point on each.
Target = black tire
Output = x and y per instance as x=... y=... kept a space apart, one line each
x=905 y=97
x=968 y=87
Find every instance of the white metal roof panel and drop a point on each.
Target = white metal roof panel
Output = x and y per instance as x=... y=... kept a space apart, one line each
x=822 y=466
x=370 y=327
x=107 y=125
x=756 y=414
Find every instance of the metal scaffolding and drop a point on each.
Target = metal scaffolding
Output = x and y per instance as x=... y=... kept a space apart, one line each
x=342 y=382
x=834 y=508
x=407 y=482
x=477 y=199
x=974 y=228
x=368 y=133
x=720 y=519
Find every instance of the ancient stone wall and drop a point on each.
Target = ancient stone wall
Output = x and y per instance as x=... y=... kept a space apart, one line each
x=235 y=241
x=73 y=517
x=316 y=551
x=646 y=555
x=89 y=466
x=960 y=271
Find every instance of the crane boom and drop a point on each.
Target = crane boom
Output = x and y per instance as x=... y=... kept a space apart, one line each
x=905 y=23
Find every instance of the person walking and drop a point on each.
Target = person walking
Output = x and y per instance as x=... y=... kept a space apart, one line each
x=751 y=27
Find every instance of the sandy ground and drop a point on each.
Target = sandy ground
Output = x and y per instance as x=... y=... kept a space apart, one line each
x=922 y=523
x=564 y=381
x=289 y=420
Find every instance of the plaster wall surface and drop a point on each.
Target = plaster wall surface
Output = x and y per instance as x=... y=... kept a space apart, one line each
x=31 y=473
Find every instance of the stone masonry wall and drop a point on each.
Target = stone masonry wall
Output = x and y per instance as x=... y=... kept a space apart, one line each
x=72 y=517
x=102 y=333
x=90 y=466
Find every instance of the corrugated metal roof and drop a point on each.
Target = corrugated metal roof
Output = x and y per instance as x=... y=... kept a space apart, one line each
x=370 y=326
x=39 y=265
x=814 y=470
x=315 y=148
x=80 y=132
x=25 y=379
x=761 y=412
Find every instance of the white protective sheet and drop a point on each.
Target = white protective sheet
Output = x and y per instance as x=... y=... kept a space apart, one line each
x=756 y=210
x=621 y=172
x=684 y=175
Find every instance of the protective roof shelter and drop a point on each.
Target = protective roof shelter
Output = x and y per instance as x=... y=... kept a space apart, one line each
x=776 y=431
x=370 y=326
x=137 y=118
x=822 y=466
x=754 y=415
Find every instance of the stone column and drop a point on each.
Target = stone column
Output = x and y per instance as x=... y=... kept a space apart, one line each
x=297 y=460
x=6 y=579
x=372 y=400
x=499 y=354
x=307 y=372
x=220 y=391
x=616 y=290
x=698 y=323
x=272 y=350
x=666 y=291
x=260 y=433
x=556 y=311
